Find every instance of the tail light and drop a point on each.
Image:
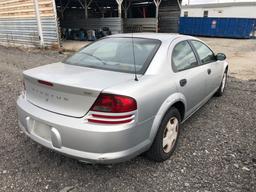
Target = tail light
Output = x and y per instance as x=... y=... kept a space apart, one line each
x=111 y=108
x=114 y=104
x=45 y=83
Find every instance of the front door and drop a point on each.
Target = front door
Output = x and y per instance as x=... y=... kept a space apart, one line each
x=213 y=68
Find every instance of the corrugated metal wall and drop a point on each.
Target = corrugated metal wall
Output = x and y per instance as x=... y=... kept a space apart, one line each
x=169 y=14
x=140 y=25
x=19 y=26
x=19 y=31
x=50 y=31
x=115 y=24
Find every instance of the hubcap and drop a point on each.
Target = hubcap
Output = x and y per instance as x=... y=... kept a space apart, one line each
x=223 y=82
x=170 y=134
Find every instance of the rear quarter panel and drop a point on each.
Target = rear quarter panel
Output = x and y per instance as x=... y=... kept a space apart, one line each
x=152 y=93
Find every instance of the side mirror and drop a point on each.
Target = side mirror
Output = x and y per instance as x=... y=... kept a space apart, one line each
x=221 y=57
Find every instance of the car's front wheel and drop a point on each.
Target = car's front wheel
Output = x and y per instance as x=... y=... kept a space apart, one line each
x=166 y=138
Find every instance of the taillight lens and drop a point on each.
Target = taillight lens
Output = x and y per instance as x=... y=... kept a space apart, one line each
x=45 y=83
x=111 y=103
x=109 y=122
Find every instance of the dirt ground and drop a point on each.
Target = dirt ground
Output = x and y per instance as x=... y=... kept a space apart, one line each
x=241 y=54
x=216 y=150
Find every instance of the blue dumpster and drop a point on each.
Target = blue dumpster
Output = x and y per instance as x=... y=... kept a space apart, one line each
x=217 y=27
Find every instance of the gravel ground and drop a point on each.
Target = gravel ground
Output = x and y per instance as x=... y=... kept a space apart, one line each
x=216 y=150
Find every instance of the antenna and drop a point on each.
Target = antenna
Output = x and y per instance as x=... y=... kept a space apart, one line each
x=134 y=59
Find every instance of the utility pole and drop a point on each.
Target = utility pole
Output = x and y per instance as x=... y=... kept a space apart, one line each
x=119 y=3
x=39 y=23
x=86 y=6
x=157 y=4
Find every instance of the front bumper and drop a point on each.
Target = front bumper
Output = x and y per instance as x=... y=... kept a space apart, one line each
x=82 y=140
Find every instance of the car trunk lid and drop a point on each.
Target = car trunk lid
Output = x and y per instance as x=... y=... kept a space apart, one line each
x=67 y=89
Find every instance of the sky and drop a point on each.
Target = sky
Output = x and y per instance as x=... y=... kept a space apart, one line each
x=212 y=1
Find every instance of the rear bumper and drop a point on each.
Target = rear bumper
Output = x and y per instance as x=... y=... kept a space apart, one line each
x=82 y=140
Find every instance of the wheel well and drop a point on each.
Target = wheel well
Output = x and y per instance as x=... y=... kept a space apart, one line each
x=181 y=108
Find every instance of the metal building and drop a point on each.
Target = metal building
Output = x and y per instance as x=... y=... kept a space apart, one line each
x=28 y=22
x=45 y=22
x=235 y=20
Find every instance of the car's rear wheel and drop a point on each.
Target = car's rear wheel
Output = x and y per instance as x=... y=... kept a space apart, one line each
x=166 y=138
x=222 y=87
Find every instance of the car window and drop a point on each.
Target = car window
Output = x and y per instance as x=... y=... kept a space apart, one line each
x=183 y=57
x=107 y=50
x=205 y=53
x=117 y=54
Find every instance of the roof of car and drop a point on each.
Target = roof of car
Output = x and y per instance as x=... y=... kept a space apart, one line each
x=159 y=36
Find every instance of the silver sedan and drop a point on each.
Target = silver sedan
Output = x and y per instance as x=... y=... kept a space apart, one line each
x=120 y=96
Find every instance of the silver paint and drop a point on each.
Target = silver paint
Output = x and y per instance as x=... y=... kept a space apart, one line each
x=76 y=88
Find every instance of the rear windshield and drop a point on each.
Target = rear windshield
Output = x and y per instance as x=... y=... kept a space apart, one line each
x=116 y=54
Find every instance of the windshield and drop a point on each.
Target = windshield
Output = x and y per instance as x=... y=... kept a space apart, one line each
x=116 y=54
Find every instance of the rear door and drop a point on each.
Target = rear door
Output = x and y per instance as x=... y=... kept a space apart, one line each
x=189 y=75
x=213 y=68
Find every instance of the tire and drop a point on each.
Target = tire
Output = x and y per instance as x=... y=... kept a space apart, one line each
x=222 y=87
x=158 y=152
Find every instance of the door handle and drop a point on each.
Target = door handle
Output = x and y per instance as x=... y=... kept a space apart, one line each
x=209 y=71
x=183 y=82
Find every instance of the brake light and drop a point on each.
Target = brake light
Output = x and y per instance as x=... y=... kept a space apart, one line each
x=111 y=108
x=114 y=103
x=45 y=83
x=111 y=117
x=109 y=122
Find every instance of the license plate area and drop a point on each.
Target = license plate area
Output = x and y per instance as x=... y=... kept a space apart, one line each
x=40 y=129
